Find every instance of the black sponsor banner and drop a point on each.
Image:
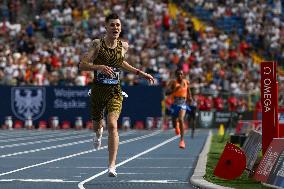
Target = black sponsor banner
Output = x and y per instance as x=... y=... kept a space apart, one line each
x=215 y=119
x=222 y=118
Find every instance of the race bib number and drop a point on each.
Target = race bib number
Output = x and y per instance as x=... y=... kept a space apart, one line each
x=106 y=79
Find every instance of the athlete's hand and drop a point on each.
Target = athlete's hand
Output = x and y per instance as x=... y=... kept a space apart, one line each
x=148 y=77
x=189 y=101
x=105 y=70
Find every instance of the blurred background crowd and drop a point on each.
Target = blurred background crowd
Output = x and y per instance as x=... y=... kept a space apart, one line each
x=217 y=43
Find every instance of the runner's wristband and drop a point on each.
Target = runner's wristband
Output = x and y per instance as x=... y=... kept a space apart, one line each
x=138 y=72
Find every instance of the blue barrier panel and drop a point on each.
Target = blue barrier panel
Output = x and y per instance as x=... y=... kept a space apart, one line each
x=142 y=102
x=41 y=103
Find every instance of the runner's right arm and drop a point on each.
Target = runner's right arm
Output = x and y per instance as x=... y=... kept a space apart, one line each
x=170 y=88
x=86 y=63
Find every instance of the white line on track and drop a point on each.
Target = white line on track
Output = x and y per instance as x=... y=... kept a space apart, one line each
x=96 y=167
x=39 y=137
x=144 y=167
x=38 y=180
x=48 y=140
x=158 y=167
x=78 y=154
x=156 y=181
x=81 y=184
x=128 y=173
x=126 y=157
x=47 y=148
x=14 y=134
x=25 y=133
x=37 y=131
x=21 y=131
x=168 y=158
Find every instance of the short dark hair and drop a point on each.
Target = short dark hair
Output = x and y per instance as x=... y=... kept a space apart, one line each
x=111 y=16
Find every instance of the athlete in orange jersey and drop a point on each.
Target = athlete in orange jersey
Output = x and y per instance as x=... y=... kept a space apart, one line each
x=180 y=91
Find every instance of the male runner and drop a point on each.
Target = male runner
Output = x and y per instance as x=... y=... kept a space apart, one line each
x=106 y=57
x=180 y=91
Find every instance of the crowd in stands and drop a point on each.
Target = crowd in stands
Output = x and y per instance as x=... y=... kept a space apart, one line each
x=258 y=22
x=41 y=41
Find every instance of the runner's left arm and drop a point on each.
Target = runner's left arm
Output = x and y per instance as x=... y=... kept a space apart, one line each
x=127 y=67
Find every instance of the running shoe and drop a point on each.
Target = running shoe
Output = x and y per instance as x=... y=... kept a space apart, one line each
x=177 y=129
x=182 y=144
x=112 y=172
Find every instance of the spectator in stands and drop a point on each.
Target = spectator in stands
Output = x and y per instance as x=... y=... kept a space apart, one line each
x=219 y=52
x=208 y=103
x=201 y=103
x=218 y=103
x=242 y=105
x=232 y=103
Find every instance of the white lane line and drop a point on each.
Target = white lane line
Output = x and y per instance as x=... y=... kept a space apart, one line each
x=46 y=141
x=38 y=180
x=38 y=137
x=33 y=132
x=27 y=133
x=47 y=148
x=22 y=131
x=128 y=173
x=158 y=167
x=78 y=154
x=165 y=158
x=49 y=140
x=98 y=167
x=81 y=184
x=126 y=157
x=126 y=167
x=156 y=181
x=4 y=134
